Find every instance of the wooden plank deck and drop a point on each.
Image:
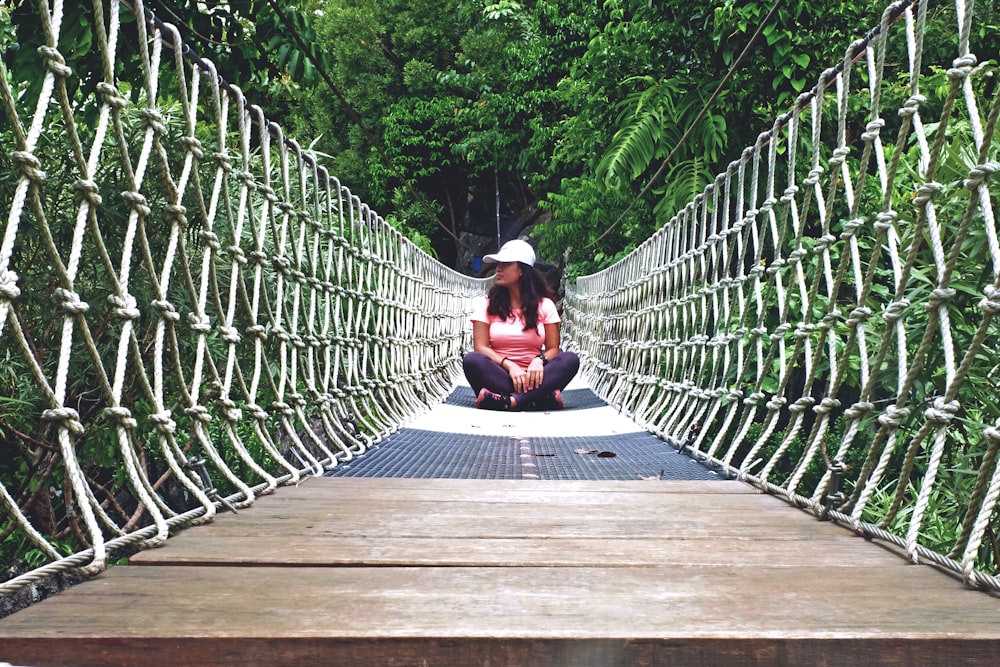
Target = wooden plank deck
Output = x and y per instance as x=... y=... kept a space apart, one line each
x=357 y=571
x=459 y=572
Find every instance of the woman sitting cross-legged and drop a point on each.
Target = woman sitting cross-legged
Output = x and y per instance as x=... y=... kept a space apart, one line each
x=516 y=363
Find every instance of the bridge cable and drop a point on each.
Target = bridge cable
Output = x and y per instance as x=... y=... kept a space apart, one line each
x=691 y=126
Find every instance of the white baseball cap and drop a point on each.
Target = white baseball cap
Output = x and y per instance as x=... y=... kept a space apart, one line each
x=513 y=251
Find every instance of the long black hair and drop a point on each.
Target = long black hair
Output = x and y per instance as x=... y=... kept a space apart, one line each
x=534 y=288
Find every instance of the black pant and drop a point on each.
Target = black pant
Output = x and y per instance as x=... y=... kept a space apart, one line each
x=481 y=371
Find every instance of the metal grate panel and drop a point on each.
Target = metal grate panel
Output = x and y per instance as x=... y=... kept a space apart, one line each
x=432 y=454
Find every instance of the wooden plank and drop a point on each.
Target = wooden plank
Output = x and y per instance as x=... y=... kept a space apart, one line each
x=518 y=521
x=332 y=525
x=468 y=572
x=198 y=547
x=508 y=525
x=743 y=615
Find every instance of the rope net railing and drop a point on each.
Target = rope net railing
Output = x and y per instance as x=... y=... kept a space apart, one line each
x=822 y=320
x=192 y=310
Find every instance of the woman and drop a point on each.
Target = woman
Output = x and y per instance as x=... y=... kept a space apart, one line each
x=516 y=363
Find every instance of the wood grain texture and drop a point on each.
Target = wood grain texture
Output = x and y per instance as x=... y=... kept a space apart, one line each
x=351 y=571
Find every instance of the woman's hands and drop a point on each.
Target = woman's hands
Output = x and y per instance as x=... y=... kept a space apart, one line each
x=526 y=379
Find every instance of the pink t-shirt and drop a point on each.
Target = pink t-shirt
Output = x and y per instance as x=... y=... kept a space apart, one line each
x=509 y=339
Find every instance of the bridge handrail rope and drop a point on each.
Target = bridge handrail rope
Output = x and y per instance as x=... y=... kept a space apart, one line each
x=806 y=323
x=261 y=322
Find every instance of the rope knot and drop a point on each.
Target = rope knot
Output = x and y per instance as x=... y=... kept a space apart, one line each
x=283 y=408
x=894 y=311
x=210 y=238
x=943 y=411
x=912 y=105
x=859 y=316
x=885 y=220
x=123 y=416
x=230 y=412
x=237 y=255
x=860 y=410
x=872 y=130
x=813 y=177
x=193 y=146
x=776 y=265
x=991 y=302
x=851 y=228
x=824 y=242
x=199 y=413
x=789 y=194
x=257 y=412
x=826 y=406
x=176 y=213
x=8 y=286
x=992 y=434
x=199 y=323
x=801 y=404
x=797 y=254
x=979 y=174
x=839 y=155
x=755 y=398
x=962 y=66
x=229 y=334
x=163 y=422
x=927 y=192
x=54 y=62
x=780 y=331
x=940 y=296
x=167 y=310
x=68 y=418
x=259 y=257
x=124 y=307
x=803 y=330
x=137 y=202
x=70 y=302
x=776 y=403
x=222 y=161
x=281 y=265
x=257 y=331
x=153 y=120
x=28 y=166
x=112 y=97
x=86 y=190
x=894 y=416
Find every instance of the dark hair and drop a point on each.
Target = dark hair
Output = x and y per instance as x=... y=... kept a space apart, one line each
x=534 y=288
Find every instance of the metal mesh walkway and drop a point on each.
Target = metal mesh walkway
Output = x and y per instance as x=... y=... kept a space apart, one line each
x=586 y=440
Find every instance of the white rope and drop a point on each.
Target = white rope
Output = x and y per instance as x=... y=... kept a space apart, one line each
x=755 y=383
x=265 y=322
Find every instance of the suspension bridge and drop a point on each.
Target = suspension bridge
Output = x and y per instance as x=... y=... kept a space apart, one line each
x=224 y=366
